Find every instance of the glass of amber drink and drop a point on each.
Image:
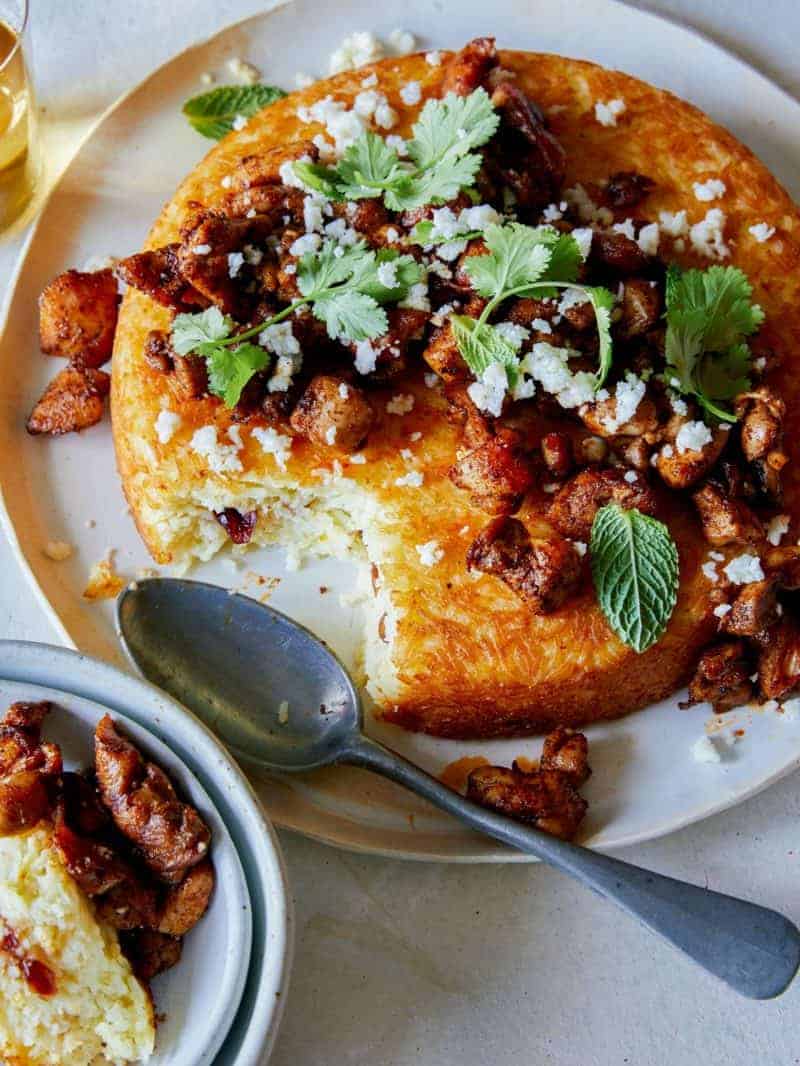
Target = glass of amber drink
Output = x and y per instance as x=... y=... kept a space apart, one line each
x=19 y=164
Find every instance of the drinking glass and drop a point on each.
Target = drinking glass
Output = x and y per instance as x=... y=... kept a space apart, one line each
x=19 y=163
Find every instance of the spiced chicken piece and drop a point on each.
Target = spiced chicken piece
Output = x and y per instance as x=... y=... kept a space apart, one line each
x=779 y=659
x=600 y=417
x=158 y=351
x=158 y=273
x=468 y=69
x=627 y=189
x=78 y=317
x=641 y=308
x=333 y=413
x=74 y=400
x=496 y=475
x=524 y=156
x=681 y=469
x=725 y=519
x=754 y=610
x=722 y=677
x=150 y=952
x=170 y=835
x=187 y=902
x=476 y=427
x=783 y=564
x=567 y=752
x=614 y=253
x=542 y=571
x=26 y=765
x=573 y=510
x=24 y=801
x=761 y=414
x=443 y=357
x=390 y=351
x=545 y=799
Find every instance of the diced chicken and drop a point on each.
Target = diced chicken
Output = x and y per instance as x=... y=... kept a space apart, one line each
x=78 y=317
x=600 y=418
x=496 y=475
x=783 y=564
x=150 y=952
x=754 y=610
x=158 y=351
x=158 y=273
x=761 y=413
x=74 y=400
x=469 y=69
x=477 y=428
x=187 y=902
x=779 y=659
x=543 y=572
x=191 y=376
x=333 y=413
x=442 y=355
x=567 y=752
x=26 y=764
x=406 y=325
x=627 y=188
x=573 y=510
x=24 y=801
x=682 y=469
x=634 y=452
x=461 y=279
x=725 y=520
x=367 y=217
x=641 y=308
x=557 y=453
x=545 y=799
x=524 y=156
x=616 y=254
x=722 y=677
x=264 y=168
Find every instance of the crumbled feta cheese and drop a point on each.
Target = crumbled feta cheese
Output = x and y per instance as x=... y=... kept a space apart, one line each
x=631 y=477
x=309 y=242
x=400 y=404
x=554 y=212
x=201 y=249
x=549 y=366
x=431 y=379
x=285 y=369
x=342 y=125
x=274 y=443
x=541 y=325
x=413 y=479
x=283 y=712
x=488 y=392
x=402 y=42
x=370 y=81
x=58 y=550
x=287 y=172
x=649 y=238
x=718 y=557
x=411 y=93
x=312 y=212
x=571 y=298
x=235 y=263
x=430 y=553
x=705 y=750
x=708 y=237
x=512 y=332
x=302 y=80
x=344 y=390
x=607 y=113
x=580 y=547
x=628 y=394
x=433 y=59
x=626 y=228
x=385 y=116
x=705 y=191
x=392 y=235
x=221 y=458
x=761 y=231
x=240 y=122
x=710 y=571
x=667 y=451
x=722 y=609
x=778 y=527
x=679 y=406
x=451 y=250
x=279 y=339
x=330 y=435
x=356 y=50
x=366 y=357
x=578 y=198
x=400 y=146
x=583 y=237
x=166 y=424
x=359 y=459
x=674 y=223
x=244 y=71
x=387 y=274
x=744 y=569
x=417 y=298
x=692 y=437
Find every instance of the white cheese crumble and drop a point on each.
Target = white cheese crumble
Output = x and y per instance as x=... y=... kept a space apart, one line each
x=274 y=443
x=625 y=228
x=330 y=435
x=356 y=50
x=649 y=238
x=411 y=93
x=710 y=572
x=309 y=242
x=387 y=274
x=235 y=263
x=58 y=550
x=366 y=357
x=628 y=394
x=705 y=191
x=609 y=111
x=705 y=750
x=431 y=379
x=553 y=212
x=400 y=404
x=588 y=211
x=430 y=553
x=581 y=547
x=402 y=42
x=201 y=249
x=221 y=458
x=549 y=366
x=417 y=298
x=761 y=231
x=722 y=609
x=344 y=390
x=631 y=477
x=583 y=237
x=244 y=71
x=279 y=339
x=358 y=459
x=515 y=334
x=488 y=392
x=692 y=437
x=166 y=424
x=240 y=122
x=433 y=59
x=674 y=223
x=744 y=569
x=401 y=147
x=413 y=479
x=541 y=325
x=778 y=527
x=708 y=235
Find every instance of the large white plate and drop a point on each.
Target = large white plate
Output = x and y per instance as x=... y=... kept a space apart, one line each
x=645 y=782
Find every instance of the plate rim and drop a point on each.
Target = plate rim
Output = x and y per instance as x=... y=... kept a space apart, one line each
x=85 y=677
x=360 y=840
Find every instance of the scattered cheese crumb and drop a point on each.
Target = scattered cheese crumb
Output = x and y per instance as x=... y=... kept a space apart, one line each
x=400 y=404
x=244 y=71
x=431 y=379
x=430 y=553
x=166 y=423
x=330 y=435
x=744 y=569
x=413 y=479
x=778 y=527
x=356 y=50
x=104 y=582
x=707 y=236
x=693 y=437
x=402 y=42
x=674 y=223
x=411 y=93
x=433 y=59
x=366 y=357
x=761 y=231
x=649 y=238
x=580 y=547
x=235 y=263
x=705 y=191
x=608 y=113
x=722 y=609
x=710 y=572
x=274 y=443
x=58 y=550
x=488 y=392
x=705 y=750
x=631 y=477
x=221 y=458
x=359 y=459
x=240 y=122
x=201 y=249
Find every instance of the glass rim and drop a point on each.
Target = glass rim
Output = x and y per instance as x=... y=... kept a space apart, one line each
x=20 y=32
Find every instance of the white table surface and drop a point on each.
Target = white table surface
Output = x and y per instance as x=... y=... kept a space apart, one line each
x=400 y=964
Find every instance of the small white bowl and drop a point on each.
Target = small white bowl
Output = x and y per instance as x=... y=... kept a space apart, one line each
x=224 y=1000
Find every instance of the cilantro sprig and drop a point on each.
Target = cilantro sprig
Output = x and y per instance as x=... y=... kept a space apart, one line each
x=524 y=261
x=344 y=287
x=441 y=157
x=214 y=113
x=709 y=314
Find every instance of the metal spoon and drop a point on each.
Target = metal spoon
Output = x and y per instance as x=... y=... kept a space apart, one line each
x=233 y=661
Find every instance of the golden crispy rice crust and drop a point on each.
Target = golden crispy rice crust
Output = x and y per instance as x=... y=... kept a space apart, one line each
x=471 y=661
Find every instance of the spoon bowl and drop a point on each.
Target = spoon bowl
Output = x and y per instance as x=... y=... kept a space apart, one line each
x=282 y=700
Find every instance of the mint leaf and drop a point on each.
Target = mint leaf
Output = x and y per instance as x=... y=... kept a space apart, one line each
x=709 y=313
x=480 y=344
x=191 y=330
x=351 y=315
x=635 y=571
x=230 y=369
x=214 y=113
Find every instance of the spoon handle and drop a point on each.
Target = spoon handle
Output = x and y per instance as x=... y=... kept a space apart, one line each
x=753 y=949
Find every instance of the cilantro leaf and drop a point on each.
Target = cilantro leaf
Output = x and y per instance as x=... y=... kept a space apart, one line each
x=425 y=233
x=603 y=303
x=351 y=315
x=452 y=127
x=635 y=572
x=230 y=369
x=319 y=271
x=190 y=330
x=709 y=313
x=320 y=177
x=367 y=167
x=214 y=113
x=518 y=256
x=435 y=185
x=480 y=344
x=403 y=269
